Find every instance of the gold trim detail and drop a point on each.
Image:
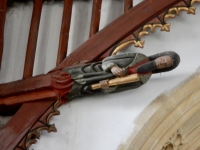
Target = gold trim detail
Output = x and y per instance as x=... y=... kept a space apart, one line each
x=164 y=27
x=118 y=81
x=194 y=1
x=127 y=43
x=34 y=134
x=55 y=112
x=170 y=13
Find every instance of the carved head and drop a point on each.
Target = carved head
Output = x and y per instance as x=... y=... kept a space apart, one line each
x=165 y=61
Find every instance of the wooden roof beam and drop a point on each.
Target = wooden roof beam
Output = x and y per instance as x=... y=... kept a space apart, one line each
x=128 y=4
x=95 y=20
x=32 y=40
x=64 y=33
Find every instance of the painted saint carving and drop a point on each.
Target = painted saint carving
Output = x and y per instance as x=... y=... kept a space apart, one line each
x=114 y=74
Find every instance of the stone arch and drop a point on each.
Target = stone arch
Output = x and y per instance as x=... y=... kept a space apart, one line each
x=175 y=124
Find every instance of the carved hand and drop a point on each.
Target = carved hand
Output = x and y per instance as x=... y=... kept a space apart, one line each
x=104 y=84
x=117 y=71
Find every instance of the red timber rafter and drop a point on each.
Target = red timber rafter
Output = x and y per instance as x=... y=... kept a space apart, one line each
x=32 y=40
x=96 y=14
x=37 y=95
x=64 y=32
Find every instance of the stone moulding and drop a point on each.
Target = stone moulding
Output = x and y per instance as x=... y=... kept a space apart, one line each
x=174 y=142
x=174 y=124
x=187 y=136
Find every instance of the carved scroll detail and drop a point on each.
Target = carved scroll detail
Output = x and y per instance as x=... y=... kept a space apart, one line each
x=170 y=13
x=194 y=1
x=47 y=126
x=174 y=142
x=40 y=125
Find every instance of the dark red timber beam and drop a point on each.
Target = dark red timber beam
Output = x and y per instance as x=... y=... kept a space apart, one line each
x=64 y=33
x=32 y=40
x=16 y=129
x=37 y=83
x=96 y=14
x=3 y=7
x=117 y=31
x=128 y=4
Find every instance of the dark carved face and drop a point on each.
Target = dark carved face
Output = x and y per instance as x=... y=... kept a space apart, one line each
x=163 y=62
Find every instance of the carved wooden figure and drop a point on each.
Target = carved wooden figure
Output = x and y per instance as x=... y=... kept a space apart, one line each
x=41 y=95
x=78 y=80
